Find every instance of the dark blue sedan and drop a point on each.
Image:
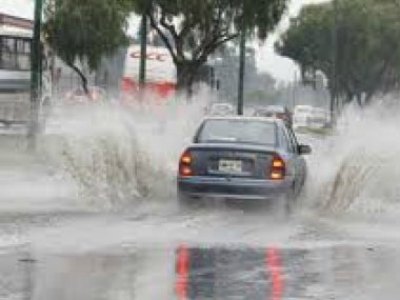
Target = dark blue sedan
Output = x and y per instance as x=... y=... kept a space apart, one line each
x=244 y=158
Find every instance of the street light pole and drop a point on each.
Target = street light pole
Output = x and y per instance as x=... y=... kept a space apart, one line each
x=143 y=52
x=334 y=87
x=294 y=100
x=36 y=62
x=242 y=65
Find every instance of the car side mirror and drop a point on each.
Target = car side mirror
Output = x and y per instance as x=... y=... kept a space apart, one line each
x=304 y=149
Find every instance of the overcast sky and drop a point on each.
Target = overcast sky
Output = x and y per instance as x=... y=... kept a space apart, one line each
x=279 y=67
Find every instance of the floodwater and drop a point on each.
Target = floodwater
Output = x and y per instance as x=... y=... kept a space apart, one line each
x=93 y=215
x=218 y=272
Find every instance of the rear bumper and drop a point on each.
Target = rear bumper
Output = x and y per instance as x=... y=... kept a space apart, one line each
x=235 y=188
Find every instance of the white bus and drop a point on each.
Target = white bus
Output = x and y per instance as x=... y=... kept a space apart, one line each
x=161 y=77
x=160 y=71
x=15 y=60
x=15 y=76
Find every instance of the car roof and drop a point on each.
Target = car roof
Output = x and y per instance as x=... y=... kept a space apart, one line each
x=275 y=108
x=245 y=118
x=222 y=104
x=308 y=107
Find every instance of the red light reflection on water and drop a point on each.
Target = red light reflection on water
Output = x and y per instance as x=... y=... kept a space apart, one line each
x=182 y=271
x=273 y=262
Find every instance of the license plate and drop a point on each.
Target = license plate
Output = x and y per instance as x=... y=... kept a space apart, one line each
x=230 y=166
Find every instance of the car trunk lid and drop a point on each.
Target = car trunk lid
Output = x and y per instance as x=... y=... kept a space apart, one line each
x=226 y=160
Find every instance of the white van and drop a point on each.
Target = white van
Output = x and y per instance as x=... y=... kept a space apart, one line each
x=319 y=118
x=302 y=115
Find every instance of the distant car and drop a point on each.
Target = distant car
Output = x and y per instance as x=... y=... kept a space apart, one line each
x=275 y=111
x=307 y=116
x=320 y=118
x=221 y=109
x=78 y=95
x=246 y=158
x=302 y=115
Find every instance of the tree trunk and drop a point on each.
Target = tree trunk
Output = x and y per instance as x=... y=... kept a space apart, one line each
x=186 y=75
x=83 y=78
x=359 y=100
x=332 y=107
x=368 y=98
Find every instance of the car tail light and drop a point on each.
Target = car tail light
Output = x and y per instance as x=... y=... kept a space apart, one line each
x=185 y=164
x=278 y=168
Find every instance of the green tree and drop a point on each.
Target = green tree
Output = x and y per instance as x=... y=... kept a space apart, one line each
x=192 y=30
x=355 y=44
x=81 y=32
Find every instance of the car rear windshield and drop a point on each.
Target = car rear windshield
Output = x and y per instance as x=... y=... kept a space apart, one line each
x=238 y=131
x=275 y=109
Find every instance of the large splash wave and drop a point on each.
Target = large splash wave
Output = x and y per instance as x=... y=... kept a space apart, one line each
x=357 y=170
x=118 y=155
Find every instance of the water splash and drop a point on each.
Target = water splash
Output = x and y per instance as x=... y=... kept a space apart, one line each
x=357 y=170
x=118 y=155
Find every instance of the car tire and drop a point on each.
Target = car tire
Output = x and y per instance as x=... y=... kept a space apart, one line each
x=291 y=200
x=284 y=206
x=280 y=208
x=289 y=206
x=186 y=202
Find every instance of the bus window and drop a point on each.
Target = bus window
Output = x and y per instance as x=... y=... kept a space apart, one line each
x=23 y=54
x=7 y=57
x=14 y=54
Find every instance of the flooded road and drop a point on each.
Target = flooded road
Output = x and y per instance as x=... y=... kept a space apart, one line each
x=94 y=216
x=185 y=272
x=161 y=253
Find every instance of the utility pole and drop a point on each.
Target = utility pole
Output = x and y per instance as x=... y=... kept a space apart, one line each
x=36 y=66
x=242 y=65
x=294 y=100
x=143 y=52
x=334 y=85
